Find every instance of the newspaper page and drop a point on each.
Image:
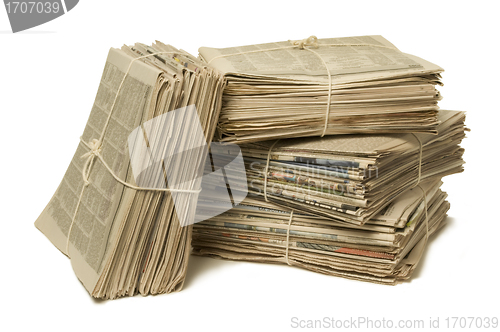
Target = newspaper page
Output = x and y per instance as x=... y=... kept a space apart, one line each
x=345 y=63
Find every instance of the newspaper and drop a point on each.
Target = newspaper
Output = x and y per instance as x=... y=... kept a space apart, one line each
x=285 y=91
x=125 y=241
x=263 y=232
x=350 y=178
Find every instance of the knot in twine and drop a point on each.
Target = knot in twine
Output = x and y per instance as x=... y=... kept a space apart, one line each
x=94 y=150
x=311 y=41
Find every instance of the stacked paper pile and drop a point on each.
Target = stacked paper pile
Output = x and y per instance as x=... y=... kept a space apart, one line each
x=280 y=90
x=121 y=238
x=360 y=206
x=352 y=177
x=384 y=250
x=348 y=205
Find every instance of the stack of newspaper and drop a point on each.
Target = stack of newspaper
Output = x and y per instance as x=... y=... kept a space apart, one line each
x=153 y=102
x=361 y=204
x=327 y=86
x=384 y=250
x=356 y=206
x=351 y=177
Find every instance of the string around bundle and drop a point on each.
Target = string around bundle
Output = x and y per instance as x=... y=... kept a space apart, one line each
x=265 y=197
x=267 y=169
x=288 y=238
x=307 y=44
x=95 y=146
x=424 y=196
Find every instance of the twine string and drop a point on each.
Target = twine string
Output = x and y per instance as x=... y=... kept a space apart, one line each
x=311 y=41
x=288 y=237
x=266 y=170
x=424 y=196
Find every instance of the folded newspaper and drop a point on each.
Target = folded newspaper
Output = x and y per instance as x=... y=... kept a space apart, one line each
x=326 y=86
x=385 y=250
x=122 y=239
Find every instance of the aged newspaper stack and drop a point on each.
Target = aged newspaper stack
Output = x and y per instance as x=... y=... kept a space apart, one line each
x=385 y=250
x=323 y=87
x=112 y=214
x=355 y=206
x=350 y=178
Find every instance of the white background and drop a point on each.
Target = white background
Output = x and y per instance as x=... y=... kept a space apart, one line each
x=49 y=76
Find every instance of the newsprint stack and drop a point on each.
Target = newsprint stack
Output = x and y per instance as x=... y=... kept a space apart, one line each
x=121 y=238
x=360 y=205
x=343 y=150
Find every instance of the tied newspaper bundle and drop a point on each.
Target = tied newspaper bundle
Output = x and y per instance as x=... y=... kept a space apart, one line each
x=351 y=177
x=355 y=206
x=125 y=230
x=385 y=250
x=323 y=87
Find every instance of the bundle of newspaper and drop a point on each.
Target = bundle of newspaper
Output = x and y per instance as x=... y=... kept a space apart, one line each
x=326 y=86
x=350 y=178
x=385 y=250
x=113 y=214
